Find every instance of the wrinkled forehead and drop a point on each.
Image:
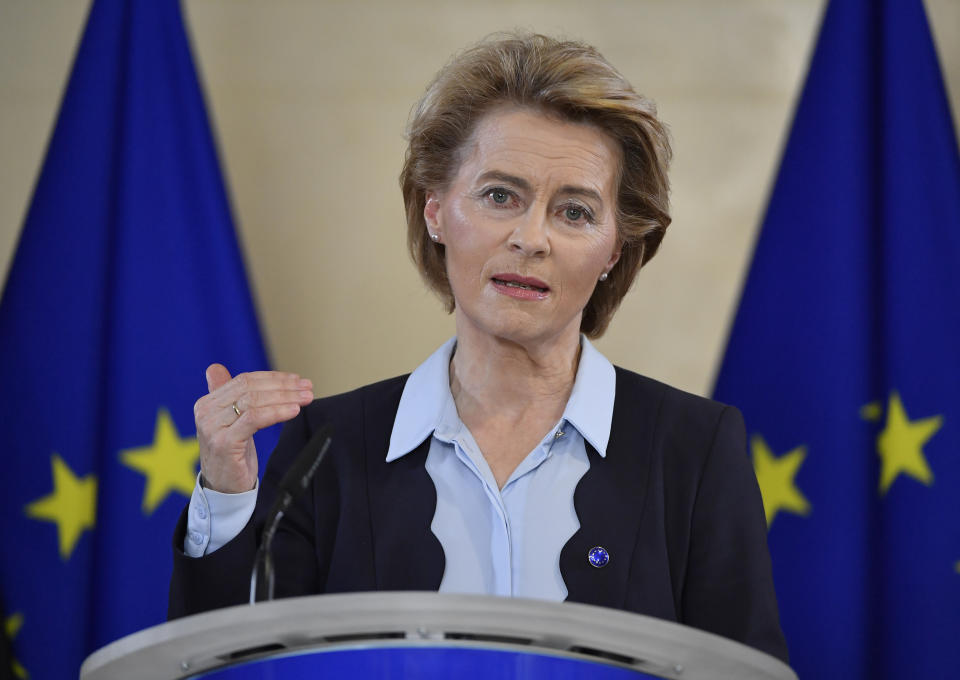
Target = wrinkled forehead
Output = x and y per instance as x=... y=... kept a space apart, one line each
x=544 y=149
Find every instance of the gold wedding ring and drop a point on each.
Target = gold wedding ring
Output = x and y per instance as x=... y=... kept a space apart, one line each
x=235 y=409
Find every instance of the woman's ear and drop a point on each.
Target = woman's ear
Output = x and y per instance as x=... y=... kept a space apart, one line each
x=431 y=212
x=615 y=256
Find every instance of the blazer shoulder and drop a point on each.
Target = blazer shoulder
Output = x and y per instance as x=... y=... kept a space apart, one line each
x=672 y=402
x=378 y=400
x=352 y=415
x=378 y=391
x=684 y=424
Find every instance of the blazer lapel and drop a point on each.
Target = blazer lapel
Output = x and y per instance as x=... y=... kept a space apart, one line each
x=402 y=500
x=610 y=501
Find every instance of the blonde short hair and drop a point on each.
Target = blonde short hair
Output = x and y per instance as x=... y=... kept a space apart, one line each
x=566 y=79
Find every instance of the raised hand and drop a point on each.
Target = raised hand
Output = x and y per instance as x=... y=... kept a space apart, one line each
x=229 y=415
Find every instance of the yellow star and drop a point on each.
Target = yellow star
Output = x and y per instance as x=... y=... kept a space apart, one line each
x=12 y=627
x=900 y=445
x=776 y=478
x=71 y=505
x=169 y=464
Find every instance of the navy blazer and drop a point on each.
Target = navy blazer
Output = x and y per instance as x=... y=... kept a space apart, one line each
x=675 y=502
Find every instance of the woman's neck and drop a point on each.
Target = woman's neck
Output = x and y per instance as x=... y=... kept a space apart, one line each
x=491 y=378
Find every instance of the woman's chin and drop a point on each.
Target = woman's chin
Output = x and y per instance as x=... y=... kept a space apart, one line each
x=523 y=328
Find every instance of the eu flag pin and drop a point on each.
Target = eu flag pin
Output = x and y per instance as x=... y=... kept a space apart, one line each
x=598 y=557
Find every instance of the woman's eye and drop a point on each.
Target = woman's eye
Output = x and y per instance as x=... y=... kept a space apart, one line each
x=499 y=196
x=574 y=214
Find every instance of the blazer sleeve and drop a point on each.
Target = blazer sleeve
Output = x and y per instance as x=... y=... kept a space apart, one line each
x=222 y=578
x=729 y=583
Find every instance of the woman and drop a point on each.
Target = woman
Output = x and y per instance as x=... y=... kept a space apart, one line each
x=516 y=460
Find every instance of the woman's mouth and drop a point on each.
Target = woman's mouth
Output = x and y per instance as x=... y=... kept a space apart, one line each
x=520 y=287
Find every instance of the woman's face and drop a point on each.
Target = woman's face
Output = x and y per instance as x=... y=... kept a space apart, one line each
x=528 y=225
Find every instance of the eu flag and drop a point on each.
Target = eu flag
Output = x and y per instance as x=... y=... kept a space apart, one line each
x=126 y=282
x=845 y=356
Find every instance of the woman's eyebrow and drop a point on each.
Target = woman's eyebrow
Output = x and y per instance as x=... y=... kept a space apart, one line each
x=571 y=190
x=506 y=178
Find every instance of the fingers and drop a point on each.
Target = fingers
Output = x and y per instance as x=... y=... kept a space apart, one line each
x=257 y=402
x=259 y=381
x=260 y=408
x=262 y=398
x=217 y=376
x=256 y=419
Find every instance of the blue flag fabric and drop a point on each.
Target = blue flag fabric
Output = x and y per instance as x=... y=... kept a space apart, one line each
x=845 y=356
x=126 y=282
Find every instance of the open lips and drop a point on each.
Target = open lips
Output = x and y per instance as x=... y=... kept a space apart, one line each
x=520 y=287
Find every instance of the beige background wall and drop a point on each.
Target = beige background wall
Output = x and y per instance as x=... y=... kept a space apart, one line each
x=309 y=100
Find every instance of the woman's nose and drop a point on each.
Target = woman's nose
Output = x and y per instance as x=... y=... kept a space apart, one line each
x=530 y=236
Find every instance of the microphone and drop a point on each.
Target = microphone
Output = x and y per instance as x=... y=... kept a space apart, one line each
x=294 y=482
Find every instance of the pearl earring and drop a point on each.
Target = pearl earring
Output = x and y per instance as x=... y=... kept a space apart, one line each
x=603 y=276
x=435 y=238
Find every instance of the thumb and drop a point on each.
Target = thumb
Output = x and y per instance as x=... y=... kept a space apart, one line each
x=217 y=376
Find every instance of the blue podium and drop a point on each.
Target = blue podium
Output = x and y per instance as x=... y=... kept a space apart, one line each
x=426 y=636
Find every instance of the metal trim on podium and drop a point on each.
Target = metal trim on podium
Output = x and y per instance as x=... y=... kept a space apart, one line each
x=194 y=646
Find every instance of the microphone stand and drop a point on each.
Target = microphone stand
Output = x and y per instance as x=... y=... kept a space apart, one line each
x=294 y=483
